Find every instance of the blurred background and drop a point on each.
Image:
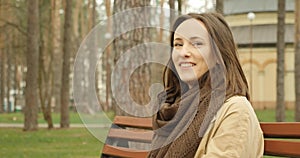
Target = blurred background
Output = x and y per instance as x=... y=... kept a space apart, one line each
x=39 y=40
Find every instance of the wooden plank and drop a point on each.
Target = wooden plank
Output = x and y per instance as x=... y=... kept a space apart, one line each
x=281 y=129
x=282 y=148
x=123 y=152
x=137 y=122
x=138 y=135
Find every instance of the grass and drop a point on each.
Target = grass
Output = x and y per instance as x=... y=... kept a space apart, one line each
x=57 y=143
x=269 y=115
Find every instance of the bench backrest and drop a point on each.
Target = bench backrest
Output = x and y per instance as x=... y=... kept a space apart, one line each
x=281 y=138
x=127 y=129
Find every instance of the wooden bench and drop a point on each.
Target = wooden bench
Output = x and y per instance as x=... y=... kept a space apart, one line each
x=281 y=138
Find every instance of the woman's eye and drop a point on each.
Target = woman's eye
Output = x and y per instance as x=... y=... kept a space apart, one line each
x=177 y=44
x=197 y=44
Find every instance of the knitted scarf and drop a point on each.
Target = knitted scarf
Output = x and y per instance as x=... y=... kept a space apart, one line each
x=176 y=126
x=180 y=125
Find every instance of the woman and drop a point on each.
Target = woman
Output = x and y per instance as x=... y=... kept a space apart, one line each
x=204 y=110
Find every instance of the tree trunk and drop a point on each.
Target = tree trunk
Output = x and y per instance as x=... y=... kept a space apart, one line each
x=8 y=46
x=105 y=106
x=1 y=67
x=220 y=6
x=56 y=52
x=297 y=60
x=179 y=4
x=172 y=11
x=65 y=94
x=83 y=23
x=45 y=62
x=139 y=81
x=2 y=82
x=161 y=21
x=31 y=95
x=280 y=107
x=45 y=87
x=76 y=24
x=8 y=73
x=15 y=68
x=91 y=14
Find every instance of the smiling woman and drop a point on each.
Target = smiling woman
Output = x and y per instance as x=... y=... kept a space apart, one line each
x=204 y=110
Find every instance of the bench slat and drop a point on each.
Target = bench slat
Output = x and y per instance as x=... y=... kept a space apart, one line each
x=138 y=136
x=123 y=152
x=281 y=129
x=133 y=122
x=282 y=148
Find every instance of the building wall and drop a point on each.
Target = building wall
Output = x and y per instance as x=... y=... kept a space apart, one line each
x=263 y=81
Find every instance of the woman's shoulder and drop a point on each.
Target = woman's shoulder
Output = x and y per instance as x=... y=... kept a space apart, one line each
x=237 y=100
x=237 y=104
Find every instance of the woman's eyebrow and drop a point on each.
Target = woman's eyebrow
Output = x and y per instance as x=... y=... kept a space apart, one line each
x=177 y=39
x=196 y=37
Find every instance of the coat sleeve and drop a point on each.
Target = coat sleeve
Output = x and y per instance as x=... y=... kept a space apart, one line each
x=234 y=134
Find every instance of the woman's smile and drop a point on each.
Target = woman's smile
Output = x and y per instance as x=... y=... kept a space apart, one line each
x=186 y=65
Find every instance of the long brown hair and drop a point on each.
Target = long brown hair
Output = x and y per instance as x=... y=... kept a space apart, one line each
x=221 y=35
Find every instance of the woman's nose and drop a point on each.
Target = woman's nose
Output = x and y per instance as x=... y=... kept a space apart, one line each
x=185 y=52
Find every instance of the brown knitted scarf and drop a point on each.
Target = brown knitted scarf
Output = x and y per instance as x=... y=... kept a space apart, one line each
x=180 y=126
x=176 y=126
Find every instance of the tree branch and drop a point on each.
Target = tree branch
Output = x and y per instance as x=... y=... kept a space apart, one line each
x=15 y=26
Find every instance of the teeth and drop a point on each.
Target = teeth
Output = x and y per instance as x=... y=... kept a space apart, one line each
x=186 y=65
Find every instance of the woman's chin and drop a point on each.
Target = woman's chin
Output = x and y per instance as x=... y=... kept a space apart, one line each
x=190 y=81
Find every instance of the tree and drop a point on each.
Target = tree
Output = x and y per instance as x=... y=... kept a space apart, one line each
x=2 y=64
x=220 y=6
x=31 y=107
x=67 y=48
x=280 y=107
x=45 y=61
x=172 y=8
x=56 y=51
x=179 y=4
x=108 y=95
x=140 y=78
x=297 y=60
x=8 y=71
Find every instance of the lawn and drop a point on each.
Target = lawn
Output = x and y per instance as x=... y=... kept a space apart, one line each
x=269 y=115
x=57 y=143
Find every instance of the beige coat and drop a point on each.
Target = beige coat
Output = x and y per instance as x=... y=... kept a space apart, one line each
x=234 y=132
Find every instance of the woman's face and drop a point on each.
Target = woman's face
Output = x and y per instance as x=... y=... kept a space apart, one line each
x=192 y=51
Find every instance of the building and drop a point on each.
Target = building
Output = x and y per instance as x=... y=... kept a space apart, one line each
x=256 y=40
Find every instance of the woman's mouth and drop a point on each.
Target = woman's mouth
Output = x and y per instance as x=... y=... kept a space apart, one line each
x=186 y=64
